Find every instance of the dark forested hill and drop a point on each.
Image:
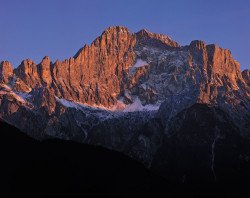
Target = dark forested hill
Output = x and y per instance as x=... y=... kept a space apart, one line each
x=31 y=168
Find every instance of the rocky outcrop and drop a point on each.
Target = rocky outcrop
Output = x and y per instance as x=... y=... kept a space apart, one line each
x=43 y=98
x=246 y=76
x=28 y=73
x=155 y=40
x=6 y=71
x=44 y=72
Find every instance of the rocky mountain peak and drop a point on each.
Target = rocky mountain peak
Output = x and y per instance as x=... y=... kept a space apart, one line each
x=27 y=63
x=145 y=35
x=5 y=64
x=115 y=30
x=197 y=44
x=45 y=58
x=44 y=71
x=6 y=71
x=143 y=32
x=27 y=72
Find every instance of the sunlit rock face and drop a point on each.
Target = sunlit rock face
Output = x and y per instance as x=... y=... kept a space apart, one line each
x=6 y=72
x=131 y=93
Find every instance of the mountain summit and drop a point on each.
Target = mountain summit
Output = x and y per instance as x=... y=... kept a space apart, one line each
x=142 y=94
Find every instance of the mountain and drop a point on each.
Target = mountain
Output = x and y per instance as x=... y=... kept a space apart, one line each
x=181 y=111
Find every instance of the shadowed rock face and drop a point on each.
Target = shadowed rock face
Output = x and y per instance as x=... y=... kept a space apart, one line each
x=128 y=92
x=246 y=76
x=203 y=144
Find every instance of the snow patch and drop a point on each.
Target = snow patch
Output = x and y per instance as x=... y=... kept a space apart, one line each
x=85 y=135
x=137 y=52
x=78 y=105
x=118 y=107
x=126 y=93
x=6 y=87
x=22 y=96
x=137 y=106
x=68 y=103
x=140 y=63
x=144 y=86
x=217 y=137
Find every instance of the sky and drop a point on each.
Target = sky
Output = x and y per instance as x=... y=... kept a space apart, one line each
x=59 y=28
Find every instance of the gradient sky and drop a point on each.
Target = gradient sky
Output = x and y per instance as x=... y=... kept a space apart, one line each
x=59 y=28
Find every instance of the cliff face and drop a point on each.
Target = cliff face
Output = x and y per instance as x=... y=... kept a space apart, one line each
x=95 y=74
x=131 y=93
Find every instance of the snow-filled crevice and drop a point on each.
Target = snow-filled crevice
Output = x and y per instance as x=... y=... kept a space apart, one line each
x=119 y=107
x=140 y=63
x=217 y=137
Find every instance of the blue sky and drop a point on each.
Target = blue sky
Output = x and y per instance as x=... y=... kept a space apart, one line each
x=58 y=28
